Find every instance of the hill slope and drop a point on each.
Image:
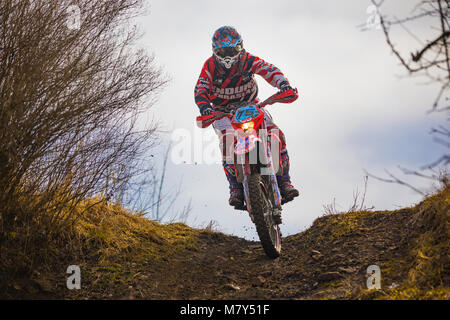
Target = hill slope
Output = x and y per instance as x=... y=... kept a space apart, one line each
x=124 y=256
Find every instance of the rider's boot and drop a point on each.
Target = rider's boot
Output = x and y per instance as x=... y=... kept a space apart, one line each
x=287 y=190
x=236 y=189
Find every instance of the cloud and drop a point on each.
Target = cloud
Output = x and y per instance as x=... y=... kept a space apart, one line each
x=354 y=111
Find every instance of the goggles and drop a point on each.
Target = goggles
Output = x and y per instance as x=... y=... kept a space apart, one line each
x=228 y=51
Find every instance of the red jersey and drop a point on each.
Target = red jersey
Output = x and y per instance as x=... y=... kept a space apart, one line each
x=219 y=86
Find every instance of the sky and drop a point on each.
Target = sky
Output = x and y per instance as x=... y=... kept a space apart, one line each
x=357 y=109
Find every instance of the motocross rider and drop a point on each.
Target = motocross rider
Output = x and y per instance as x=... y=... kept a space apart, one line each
x=227 y=77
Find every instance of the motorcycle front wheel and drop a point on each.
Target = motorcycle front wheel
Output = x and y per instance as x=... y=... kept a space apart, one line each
x=262 y=207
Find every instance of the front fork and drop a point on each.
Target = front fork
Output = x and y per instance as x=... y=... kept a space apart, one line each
x=264 y=166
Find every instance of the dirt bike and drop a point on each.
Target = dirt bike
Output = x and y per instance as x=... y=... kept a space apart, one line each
x=254 y=165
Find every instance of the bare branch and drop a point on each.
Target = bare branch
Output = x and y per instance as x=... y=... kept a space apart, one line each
x=418 y=55
x=395 y=180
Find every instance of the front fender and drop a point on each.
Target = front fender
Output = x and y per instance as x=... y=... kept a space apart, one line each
x=245 y=144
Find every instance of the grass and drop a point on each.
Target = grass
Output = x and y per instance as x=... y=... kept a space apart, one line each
x=424 y=272
x=118 y=235
x=111 y=240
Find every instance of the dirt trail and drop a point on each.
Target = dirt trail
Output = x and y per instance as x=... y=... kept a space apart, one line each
x=318 y=263
x=227 y=267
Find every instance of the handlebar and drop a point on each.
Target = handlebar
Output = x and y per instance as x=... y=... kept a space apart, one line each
x=220 y=112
